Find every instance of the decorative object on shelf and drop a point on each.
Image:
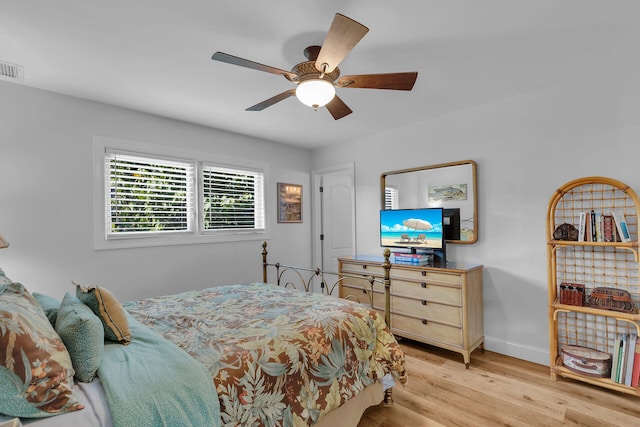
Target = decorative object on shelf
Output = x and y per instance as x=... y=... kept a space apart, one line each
x=565 y=232
x=612 y=299
x=572 y=294
x=586 y=361
x=289 y=202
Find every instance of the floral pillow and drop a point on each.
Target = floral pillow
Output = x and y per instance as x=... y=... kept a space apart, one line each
x=36 y=374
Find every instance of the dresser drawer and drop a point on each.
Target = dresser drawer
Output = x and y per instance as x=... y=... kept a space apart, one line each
x=425 y=275
x=366 y=269
x=358 y=294
x=421 y=328
x=426 y=310
x=427 y=291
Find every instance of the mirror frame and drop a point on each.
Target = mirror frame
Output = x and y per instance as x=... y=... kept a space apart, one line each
x=474 y=190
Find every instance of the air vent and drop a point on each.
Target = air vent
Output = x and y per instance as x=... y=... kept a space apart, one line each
x=9 y=71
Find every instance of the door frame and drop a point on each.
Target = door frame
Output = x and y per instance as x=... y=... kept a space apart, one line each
x=316 y=226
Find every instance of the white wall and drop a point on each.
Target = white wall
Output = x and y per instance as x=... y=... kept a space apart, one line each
x=46 y=193
x=525 y=147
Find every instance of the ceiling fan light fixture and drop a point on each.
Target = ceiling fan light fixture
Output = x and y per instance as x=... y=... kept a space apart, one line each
x=315 y=93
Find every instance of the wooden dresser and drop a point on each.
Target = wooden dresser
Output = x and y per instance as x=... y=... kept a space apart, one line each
x=434 y=305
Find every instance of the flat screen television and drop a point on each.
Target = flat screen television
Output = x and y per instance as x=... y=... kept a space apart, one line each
x=417 y=230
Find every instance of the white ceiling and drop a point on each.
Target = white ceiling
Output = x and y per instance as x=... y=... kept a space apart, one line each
x=155 y=55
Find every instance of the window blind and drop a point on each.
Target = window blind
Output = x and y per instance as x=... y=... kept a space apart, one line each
x=148 y=195
x=390 y=198
x=232 y=198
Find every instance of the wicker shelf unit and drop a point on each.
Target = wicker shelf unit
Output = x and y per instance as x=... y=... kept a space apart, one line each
x=593 y=264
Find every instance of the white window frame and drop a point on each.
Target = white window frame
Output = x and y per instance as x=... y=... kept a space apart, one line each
x=104 y=240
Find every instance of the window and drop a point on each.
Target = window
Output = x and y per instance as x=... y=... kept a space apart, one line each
x=148 y=195
x=151 y=197
x=390 y=198
x=232 y=199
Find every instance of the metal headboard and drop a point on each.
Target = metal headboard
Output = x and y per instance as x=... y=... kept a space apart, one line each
x=305 y=277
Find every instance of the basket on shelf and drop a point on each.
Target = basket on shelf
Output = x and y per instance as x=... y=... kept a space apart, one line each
x=572 y=293
x=612 y=299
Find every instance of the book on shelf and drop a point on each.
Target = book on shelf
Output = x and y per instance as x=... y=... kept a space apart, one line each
x=594 y=232
x=581 y=226
x=615 y=358
x=621 y=226
x=621 y=359
x=631 y=354
x=587 y=226
x=635 y=374
x=608 y=234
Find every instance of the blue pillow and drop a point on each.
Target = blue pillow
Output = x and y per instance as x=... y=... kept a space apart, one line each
x=82 y=333
x=49 y=305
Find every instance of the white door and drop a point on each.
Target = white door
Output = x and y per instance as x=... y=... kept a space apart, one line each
x=334 y=225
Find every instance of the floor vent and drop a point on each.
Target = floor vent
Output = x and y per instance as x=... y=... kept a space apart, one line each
x=9 y=71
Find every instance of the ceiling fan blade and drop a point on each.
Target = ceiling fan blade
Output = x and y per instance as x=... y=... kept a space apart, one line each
x=273 y=100
x=338 y=108
x=394 y=81
x=234 y=60
x=343 y=35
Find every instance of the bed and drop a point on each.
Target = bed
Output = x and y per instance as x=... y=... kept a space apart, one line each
x=257 y=354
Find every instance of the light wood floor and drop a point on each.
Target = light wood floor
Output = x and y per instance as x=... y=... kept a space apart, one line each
x=497 y=390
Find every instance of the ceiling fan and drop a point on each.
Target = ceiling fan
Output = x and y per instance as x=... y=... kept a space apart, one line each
x=317 y=78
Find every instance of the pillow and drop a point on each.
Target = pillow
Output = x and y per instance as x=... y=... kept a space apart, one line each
x=49 y=305
x=83 y=335
x=36 y=374
x=4 y=280
x=108 y=309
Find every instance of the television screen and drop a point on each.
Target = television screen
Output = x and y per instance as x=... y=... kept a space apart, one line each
x=412 y=228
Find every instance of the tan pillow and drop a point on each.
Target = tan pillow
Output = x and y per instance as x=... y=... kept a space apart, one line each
x=108 y=309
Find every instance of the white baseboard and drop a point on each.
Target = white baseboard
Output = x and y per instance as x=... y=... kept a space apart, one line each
x=532 y=354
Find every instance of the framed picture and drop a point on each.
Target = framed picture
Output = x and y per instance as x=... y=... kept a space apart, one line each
x=289 y=202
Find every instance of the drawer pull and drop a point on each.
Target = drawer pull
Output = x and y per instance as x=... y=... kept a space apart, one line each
x=424 y=321
x=364 y=266
x=423 y=284
x=423 y=302
x=424 y=273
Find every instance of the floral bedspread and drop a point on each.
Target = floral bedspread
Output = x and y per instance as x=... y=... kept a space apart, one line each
x=278 y=357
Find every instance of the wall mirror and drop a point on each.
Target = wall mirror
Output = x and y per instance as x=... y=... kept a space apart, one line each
x=451 y=186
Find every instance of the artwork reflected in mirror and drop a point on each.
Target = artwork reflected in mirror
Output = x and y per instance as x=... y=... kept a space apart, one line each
x=451 y=186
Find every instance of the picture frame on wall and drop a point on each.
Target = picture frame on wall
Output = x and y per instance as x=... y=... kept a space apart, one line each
x=289 y=202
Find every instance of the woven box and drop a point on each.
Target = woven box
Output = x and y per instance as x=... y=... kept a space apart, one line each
x=571 y=293
x=612 y=299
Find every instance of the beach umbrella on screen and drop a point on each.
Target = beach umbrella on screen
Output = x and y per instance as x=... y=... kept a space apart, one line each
x=417 y=224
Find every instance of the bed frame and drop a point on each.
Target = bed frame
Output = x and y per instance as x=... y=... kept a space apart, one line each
x=306 y=277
